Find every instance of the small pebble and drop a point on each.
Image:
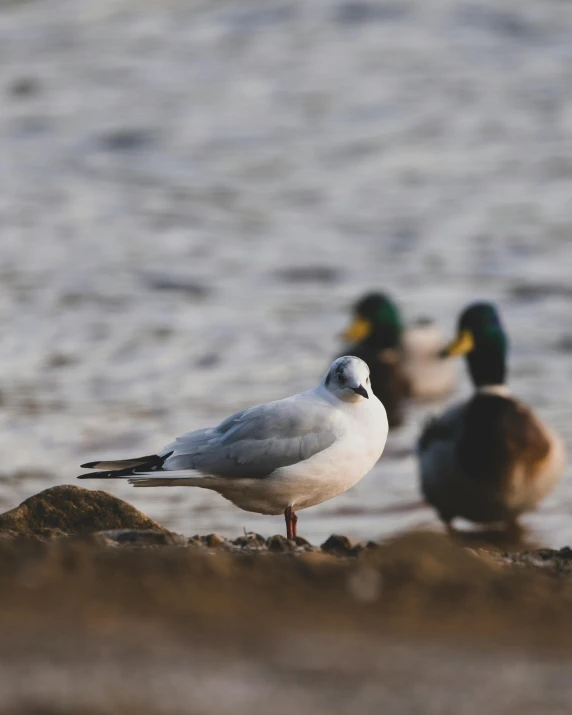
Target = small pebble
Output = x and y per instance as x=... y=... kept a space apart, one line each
x=143 y=537
x=338 y=545
x=215 y=541
x=250 y=540
x=279 y=543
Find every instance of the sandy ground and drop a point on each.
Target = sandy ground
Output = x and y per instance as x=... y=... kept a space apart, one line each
x=103 y=610
x=417 y=625
x=309 y=674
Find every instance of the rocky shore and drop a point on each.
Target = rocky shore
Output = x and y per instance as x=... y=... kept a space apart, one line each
x=87 y=550
x=104 y=610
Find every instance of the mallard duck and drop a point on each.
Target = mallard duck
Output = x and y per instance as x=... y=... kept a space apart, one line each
x=430 y=377
x=404 y=362
x=490 y=458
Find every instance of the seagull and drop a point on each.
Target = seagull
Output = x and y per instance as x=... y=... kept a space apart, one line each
x=278 y=457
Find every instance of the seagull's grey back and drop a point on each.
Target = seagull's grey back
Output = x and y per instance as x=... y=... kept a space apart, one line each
x=257 y=441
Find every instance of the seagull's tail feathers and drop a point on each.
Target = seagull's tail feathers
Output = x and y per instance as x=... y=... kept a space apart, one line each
x=123 y=468
x=168 y=481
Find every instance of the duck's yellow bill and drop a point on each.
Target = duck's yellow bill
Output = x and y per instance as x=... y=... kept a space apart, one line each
x=358 y=330
x=463 y=344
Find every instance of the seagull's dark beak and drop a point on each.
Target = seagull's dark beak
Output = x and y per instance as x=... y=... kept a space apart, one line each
x=361 y=391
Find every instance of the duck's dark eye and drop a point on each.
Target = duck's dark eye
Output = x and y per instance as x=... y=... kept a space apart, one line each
x=340 y=375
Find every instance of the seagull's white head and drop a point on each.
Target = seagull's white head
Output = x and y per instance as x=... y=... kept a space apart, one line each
x=348 y=379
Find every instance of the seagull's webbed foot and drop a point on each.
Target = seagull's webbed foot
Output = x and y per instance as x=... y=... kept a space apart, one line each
x=291 y=522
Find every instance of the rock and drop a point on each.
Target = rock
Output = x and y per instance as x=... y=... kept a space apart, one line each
x=337 y=544
x=215 y=541
x=140 y=537
x=250 y=541
x=279 y=543
x=211 y=541
x=559 y=561
x=302 y=543
x=69 y=509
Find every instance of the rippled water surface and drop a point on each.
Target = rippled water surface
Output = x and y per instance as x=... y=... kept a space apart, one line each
x=191 y=194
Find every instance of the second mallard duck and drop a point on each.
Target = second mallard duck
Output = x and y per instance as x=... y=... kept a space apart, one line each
x=491 y=458
x=403 y=361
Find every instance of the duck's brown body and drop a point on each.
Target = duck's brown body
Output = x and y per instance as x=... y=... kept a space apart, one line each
x=488 y=460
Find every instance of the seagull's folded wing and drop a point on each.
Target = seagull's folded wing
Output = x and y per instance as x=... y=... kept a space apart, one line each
x=256 y=442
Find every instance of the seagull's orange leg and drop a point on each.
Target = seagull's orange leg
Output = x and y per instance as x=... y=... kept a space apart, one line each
x=291 y=522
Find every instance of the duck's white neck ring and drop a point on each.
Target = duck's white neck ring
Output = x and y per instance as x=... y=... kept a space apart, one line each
x=500 y=390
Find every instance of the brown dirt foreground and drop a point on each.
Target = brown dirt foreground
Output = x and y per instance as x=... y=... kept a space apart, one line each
x=149 y=622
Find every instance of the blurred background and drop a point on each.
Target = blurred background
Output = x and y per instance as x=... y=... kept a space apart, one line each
x=193 y=194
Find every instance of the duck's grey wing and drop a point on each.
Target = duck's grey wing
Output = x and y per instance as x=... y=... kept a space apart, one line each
x=446 y=428
x=437 y=450
x=256 y=442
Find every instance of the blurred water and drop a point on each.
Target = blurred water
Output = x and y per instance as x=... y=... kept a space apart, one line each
x=191 y=194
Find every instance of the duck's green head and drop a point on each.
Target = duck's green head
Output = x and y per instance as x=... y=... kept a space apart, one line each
x=376 y=321
x=481 y=337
